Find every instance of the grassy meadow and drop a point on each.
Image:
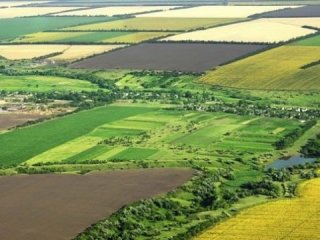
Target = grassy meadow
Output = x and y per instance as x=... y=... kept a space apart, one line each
x=44 y=84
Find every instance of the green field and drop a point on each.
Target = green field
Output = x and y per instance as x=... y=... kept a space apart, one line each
x=311 y=41
x=156 y=24
x=276 y=69
x=89 y=37
x=23 y=144
x=16 y=27
x=43 y=84
x=124 y=134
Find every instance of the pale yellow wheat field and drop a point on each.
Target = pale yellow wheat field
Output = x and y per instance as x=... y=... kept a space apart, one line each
x=302 y=21
x=260 y=30
x=288 y=219
x=76 y=52
x=111 y=11
x=215 y=12
x=19 y=3
x=16 y=52
x=31 y=11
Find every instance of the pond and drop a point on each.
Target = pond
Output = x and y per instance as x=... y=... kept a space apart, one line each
x=290 y=162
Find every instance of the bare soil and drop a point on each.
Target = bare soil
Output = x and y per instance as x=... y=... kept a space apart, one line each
x=58 y=207
x=189 y=57
x=306 y=11
x=9 y=120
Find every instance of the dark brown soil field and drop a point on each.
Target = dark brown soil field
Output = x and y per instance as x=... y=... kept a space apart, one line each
x=8 y=120
x=55 y=207
x=306 y=11
x=190 y=57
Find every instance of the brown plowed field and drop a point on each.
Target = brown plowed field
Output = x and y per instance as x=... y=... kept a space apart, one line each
x=56 y=207
x=306 y=11
x=9 y=120
x=190 y=57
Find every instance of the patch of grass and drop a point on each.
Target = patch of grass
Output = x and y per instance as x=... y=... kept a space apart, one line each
x=43 y=84
x=311 y=41
x=133 y=154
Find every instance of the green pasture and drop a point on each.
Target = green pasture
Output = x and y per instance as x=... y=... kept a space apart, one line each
x=15 y=27
x=43 y=84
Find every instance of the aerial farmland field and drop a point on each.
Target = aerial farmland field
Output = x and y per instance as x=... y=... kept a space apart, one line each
x=31 y=11
x=16 y=27
x=215 y=12
x=14 y=52
x=303 y=11
x=263 y=75
x=41 y=84
x=155 y=23
x=76 y=52
x=163 y=56
x=288 y=219
x=250 y=31
x=159 y=120
x=86 y=194
x=90 y=37
x=18 y=3
x=115 y=11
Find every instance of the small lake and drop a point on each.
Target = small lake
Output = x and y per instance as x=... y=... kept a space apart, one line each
x=290 y=162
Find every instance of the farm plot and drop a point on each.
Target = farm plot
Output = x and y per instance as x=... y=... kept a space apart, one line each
x=301 y=22
x=232 y=134
x=65 y=205
x=311 y=41
x=8 y=120
x=273 y=32
x=44 y=84
x=69 y=37
x=76 y=52
x=289 y=219
x=215 y=12
x=31 y=11
x=19 y=3
x=155 y=24
x=169 y=56
x=16 y=52
x=115 y=11
x=304 y=11
x=258 y=72
x=18 y=147
x=16 y=27
x=90 y=37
